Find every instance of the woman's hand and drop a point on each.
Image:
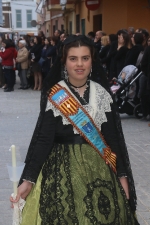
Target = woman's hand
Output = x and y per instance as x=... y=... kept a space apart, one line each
x=22 y=191
x=124 y=183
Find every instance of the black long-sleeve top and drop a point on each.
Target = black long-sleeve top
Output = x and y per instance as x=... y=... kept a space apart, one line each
x=132 y=55
x=53 y=128
x=37 y=51
x=145 y=65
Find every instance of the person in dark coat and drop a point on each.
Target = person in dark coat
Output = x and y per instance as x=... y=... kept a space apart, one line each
x=46 y=62
x=97 y=40
x=117 y=53
x=35 y=57
x=132 y=55
x=104 y=51
x=144 y=96
x=106 y=60
x=105 y=46
x=145 y=67
x=52 y=52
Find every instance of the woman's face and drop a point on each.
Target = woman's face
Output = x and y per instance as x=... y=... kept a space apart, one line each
x=78 y=63
x=120 y=39
x=3 y=45
x=35 y=40
x=46 y=42
x=52 y=42
x=20 y=45
x=31 y=43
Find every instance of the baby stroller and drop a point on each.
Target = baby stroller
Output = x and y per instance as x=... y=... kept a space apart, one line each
x=125 y=89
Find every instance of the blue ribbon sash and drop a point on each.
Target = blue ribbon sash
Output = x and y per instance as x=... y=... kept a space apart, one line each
x=62 y=99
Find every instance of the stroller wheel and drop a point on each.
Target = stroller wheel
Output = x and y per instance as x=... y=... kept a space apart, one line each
x=138 y=111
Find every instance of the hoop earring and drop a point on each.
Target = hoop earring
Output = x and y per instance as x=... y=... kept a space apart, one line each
x=66 y=73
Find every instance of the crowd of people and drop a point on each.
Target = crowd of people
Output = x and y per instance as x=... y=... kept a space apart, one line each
x=33 y=57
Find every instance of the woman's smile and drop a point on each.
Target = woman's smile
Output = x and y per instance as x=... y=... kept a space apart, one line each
x=79 y=71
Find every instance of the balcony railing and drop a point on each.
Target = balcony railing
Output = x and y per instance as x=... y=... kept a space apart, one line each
x=54 y=5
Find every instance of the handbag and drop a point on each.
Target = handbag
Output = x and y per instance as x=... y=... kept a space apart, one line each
x=41 y=61
x=18 y=66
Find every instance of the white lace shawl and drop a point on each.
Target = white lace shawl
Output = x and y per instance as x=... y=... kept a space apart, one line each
x=99 y=103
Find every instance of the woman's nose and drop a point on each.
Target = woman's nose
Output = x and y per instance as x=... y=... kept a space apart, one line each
x=79 y=62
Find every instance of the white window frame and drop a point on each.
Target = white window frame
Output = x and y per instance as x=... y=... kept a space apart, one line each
x=21 y=17
x=27 y=18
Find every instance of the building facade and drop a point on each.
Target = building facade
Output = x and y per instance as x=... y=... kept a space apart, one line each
x=6 y=15
x=23 y=12
x=110 y=16
x=51 y=17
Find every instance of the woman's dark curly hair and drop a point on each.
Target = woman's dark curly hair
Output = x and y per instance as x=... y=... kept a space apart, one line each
x=77 y=44
x=39 y=39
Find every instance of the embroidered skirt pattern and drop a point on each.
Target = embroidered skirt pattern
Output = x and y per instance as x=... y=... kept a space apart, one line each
x=77 y=187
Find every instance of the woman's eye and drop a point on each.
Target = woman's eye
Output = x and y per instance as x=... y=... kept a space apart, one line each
x=72 y=59
x=85 y=58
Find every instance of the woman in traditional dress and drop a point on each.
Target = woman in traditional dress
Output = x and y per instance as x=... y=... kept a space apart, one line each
x=77 y=168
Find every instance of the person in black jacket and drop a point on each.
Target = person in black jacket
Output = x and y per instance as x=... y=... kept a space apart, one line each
x=117 y=53
x=97 y=40
x=52 y=52
x=132 y=55
x=104 y=51
x=44 y=61
x=35 y=57
x=144 y=95
x=145 y=67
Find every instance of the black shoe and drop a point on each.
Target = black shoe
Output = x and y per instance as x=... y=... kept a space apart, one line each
x=25 y=88
x=20 y=88
x=8 y=90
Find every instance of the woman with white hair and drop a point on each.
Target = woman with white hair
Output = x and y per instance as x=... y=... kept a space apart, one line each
x=22 y=58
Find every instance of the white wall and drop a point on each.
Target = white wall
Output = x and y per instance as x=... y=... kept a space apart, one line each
x=23 y=6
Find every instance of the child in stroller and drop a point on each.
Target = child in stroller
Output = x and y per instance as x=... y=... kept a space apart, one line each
x=125 y=75
x=125 y=89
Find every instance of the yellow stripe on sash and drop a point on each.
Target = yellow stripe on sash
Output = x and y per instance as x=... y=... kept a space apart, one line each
x=69 y=107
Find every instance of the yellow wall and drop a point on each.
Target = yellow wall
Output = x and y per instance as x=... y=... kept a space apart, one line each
x=139 y=16
x=116 y=14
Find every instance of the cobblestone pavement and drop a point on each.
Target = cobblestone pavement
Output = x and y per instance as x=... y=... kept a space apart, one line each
x=18 y=114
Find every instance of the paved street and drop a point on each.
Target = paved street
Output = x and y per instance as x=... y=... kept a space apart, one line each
x=18 y=114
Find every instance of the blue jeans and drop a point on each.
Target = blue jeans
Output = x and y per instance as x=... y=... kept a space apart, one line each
x=9 y=77
x=23 y=78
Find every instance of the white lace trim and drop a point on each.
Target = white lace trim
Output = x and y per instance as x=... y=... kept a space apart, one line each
x=103 y=101
x=99 y=103
x=28 y=181
x=17 y=213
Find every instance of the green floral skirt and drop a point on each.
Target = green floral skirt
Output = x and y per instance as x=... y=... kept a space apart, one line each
x=76 y=187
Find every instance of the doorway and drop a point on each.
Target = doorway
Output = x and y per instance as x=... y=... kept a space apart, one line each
x=83 y=26
x=70 y=27
x=97 y=22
